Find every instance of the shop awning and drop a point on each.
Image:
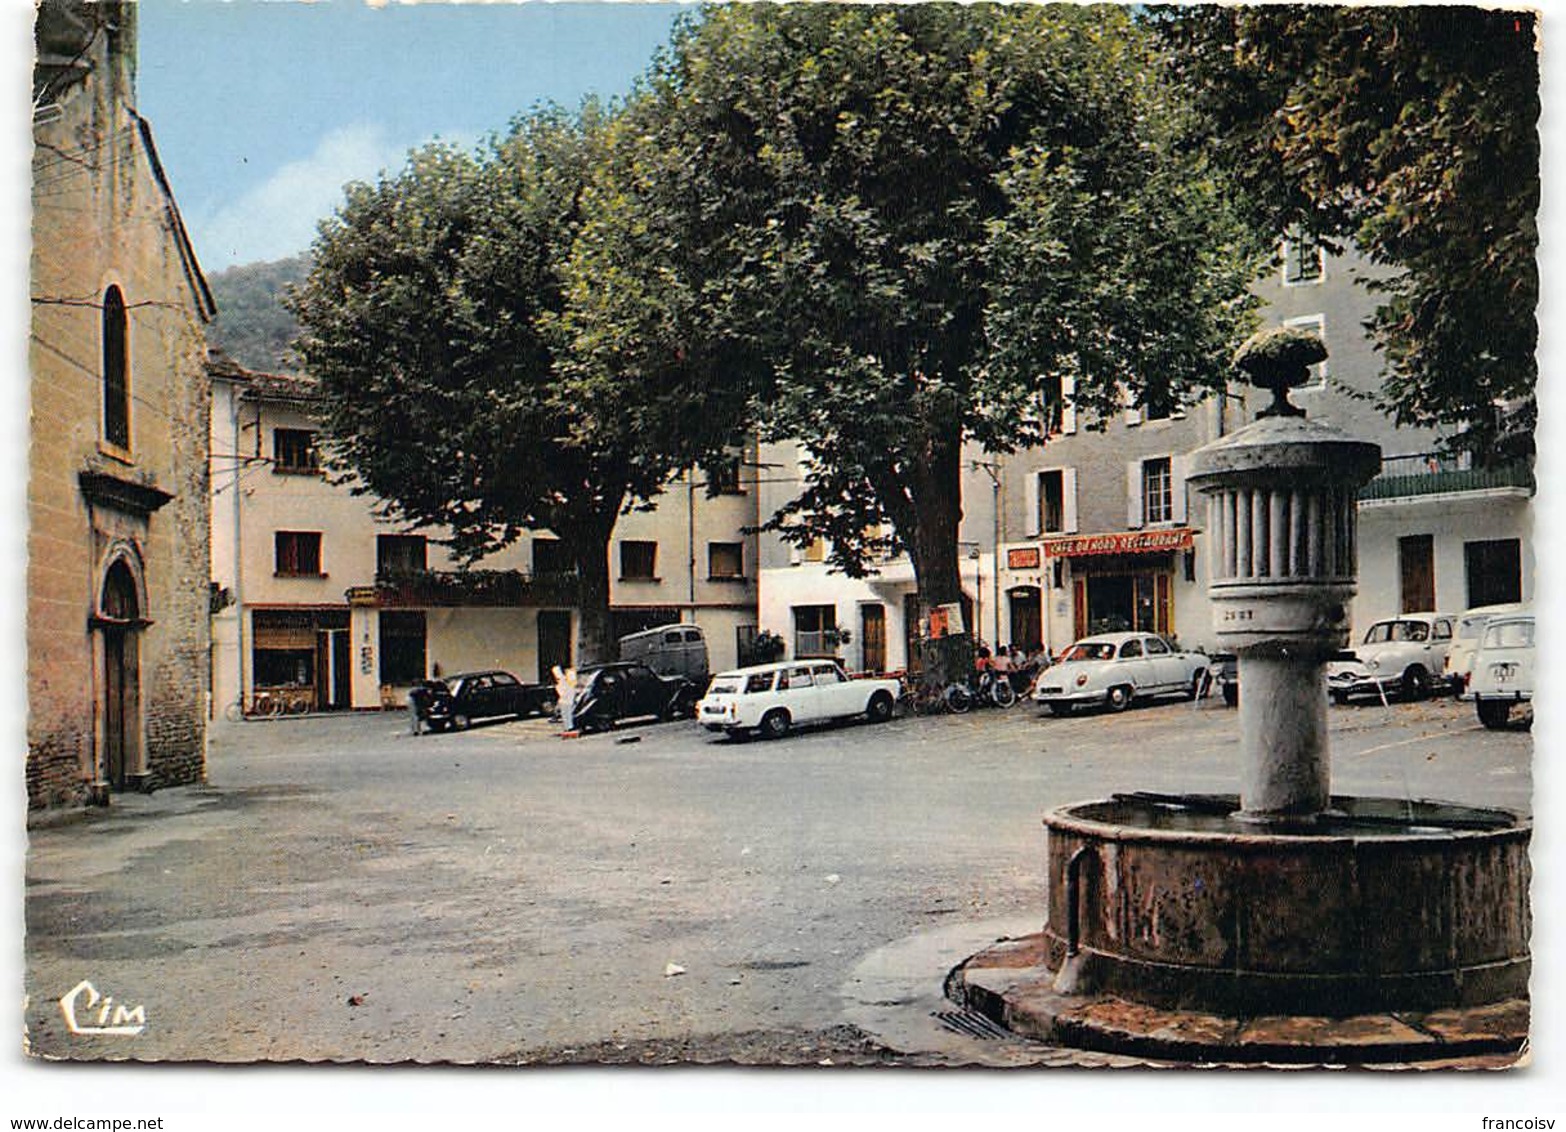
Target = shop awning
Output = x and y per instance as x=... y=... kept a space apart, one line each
x=1121 y=542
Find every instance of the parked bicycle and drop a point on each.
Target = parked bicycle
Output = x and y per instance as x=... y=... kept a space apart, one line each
x=922 y=699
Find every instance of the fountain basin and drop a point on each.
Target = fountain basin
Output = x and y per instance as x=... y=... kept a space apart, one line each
x=1376 y=905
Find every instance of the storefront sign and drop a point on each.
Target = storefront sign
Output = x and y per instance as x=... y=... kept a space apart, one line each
x=1127 y=542
x=1022 y=558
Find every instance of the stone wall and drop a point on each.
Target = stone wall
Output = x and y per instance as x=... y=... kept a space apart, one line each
x=104 y=217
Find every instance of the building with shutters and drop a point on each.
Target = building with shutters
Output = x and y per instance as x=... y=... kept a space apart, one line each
x=322 y=605
x=1096 y=530
x=117 y=542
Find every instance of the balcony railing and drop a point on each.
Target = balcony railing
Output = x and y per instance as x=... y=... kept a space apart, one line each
x=494 y=588
x=1430 y=474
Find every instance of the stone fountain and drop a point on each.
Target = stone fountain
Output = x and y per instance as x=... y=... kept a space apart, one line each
x=1284 y=923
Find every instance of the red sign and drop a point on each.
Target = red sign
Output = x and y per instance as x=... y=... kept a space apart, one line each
x=1128 y=542
x=1023 y=558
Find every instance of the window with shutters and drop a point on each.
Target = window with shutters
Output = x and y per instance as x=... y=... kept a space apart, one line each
x=1052 y=502
x=1317 y=325
x=1304 y=260
x=638 y=561
x=1157 y=490
x=400 y=554
x=298 y=554
x=293 y=451
x=725 y=561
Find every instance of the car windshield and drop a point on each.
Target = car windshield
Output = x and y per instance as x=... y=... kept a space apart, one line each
x=1509 y=635
x=1385 y=631
x=1090 y=650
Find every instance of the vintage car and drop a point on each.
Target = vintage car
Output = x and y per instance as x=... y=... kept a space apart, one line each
x=1401 y=656
x=608 y=693
x=1465 y=642
x=1114 y=669
x=456 y=701
x=1503 y=668
x=773 y=698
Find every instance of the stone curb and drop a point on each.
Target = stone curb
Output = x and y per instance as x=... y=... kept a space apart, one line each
x=1010 y=985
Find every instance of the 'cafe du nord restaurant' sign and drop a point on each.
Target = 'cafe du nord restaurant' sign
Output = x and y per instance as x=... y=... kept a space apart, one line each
x=1120 y=542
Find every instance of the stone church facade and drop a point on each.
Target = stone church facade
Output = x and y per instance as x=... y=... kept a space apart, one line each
x=118 y=529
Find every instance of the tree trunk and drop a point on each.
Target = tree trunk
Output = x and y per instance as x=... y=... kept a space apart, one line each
x=933 y=549
x=589 y=549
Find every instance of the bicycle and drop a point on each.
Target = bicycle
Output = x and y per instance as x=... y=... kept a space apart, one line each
x=993 y=687
x=920 y=699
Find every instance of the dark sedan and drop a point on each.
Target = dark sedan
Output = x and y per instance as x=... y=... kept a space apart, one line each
x=459 y=700
x=609 y=693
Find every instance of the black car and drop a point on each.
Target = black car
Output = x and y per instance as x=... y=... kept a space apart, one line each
x=458 y=700
x=608 y=693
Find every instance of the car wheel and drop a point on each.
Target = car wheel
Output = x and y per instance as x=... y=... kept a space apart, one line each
x=775 y=724
x=460 y=722
x=1059 y=711
x=1493 y=713
x=1416 y=682
x=1118 y=698
x=880 y=708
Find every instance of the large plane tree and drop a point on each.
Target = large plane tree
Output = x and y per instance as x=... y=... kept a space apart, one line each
x=1411 y=130
x=431 y=317
x=889 y=227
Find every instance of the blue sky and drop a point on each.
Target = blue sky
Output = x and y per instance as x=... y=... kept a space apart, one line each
x=264 y=109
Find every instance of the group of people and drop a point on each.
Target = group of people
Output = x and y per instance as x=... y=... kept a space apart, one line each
x=1011 y=661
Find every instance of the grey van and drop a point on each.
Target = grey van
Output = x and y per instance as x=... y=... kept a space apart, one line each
x=669 y=650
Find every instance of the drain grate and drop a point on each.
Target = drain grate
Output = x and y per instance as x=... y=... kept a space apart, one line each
x=970 y=1024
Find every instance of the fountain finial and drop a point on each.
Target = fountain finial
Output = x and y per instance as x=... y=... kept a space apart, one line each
x=1279 y=359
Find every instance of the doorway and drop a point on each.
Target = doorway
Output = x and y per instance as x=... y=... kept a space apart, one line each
x=554 y=643
x=1027 y=617
x=121 y=706
x=872 y=637
x=1416 y=571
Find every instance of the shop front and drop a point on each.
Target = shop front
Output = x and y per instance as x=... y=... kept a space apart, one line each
x=1124 y=580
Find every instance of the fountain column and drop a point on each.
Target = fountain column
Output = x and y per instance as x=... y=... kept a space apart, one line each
x=1282 y=562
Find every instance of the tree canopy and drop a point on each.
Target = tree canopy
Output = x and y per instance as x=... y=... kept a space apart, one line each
x=431 y=318
x=1413 y=132
x=889 y=225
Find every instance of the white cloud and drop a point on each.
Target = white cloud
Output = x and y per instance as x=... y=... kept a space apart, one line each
x=278 y=218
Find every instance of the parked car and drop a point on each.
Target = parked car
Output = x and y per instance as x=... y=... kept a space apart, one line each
x=773 y=698
x=1503 y=668
x=1466 y=636
x=456 y=701
x=608 y=693
x=1403 y=656
x=1114 y=669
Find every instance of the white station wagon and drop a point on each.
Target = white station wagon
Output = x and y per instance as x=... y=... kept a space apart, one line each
x=772 y=698
x=1115 y=668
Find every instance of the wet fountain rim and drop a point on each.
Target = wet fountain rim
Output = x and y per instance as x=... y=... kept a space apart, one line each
x=1210 y=819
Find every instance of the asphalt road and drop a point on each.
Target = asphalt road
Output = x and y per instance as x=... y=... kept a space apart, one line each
x=342 y=890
